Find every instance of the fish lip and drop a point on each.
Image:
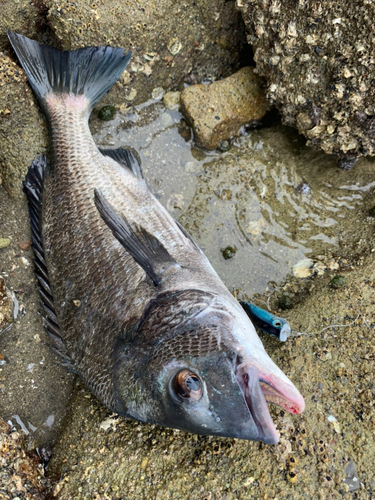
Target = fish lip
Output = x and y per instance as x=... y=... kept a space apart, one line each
x=259 y=389
x=281 y=393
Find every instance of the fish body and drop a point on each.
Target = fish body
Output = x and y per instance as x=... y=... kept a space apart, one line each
x=132 y=304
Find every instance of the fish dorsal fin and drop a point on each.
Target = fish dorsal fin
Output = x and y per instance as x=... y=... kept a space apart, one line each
x=188 y=235
x=144 y=247
x=126 y=157
x=33 y=188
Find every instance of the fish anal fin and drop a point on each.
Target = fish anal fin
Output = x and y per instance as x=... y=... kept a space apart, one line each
x=144 y=247
x=33 y=188
x=126 y=157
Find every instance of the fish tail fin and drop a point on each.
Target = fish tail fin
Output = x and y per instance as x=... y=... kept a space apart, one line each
x=90 y=71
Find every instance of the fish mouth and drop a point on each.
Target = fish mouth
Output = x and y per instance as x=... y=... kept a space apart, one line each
x=259 y=389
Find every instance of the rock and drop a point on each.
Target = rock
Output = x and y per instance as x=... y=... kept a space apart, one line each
x=20 y=16
x=351 y=477
x=317 y=58
x=303 y=268
x=5 y=306
x=23 y=133
x=22 y=474
x=171 y=100
x=4 y=242
x=218 y=111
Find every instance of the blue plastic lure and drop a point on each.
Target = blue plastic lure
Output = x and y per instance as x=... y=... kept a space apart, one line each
x=267 y=322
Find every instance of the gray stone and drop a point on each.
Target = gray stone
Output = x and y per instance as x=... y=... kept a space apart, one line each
x=351 y=479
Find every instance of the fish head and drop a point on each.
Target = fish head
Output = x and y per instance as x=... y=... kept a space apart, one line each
x=212 y=376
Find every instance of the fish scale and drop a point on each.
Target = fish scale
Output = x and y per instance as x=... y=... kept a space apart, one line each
x=132 y=304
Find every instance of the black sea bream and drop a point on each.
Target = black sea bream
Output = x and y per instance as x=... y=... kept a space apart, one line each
x=132 y=304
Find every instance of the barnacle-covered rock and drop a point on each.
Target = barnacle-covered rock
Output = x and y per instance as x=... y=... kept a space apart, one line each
x=318 y=59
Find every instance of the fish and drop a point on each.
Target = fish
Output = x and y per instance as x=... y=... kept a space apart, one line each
x=131 y=303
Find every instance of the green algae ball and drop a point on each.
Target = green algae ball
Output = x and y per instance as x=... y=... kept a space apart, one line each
x=228 y=252
x=107 y=113
x=337 y=281
x=285 y=302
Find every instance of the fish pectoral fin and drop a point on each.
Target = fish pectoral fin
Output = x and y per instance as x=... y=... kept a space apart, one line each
x=144 y=247
x=127 y=158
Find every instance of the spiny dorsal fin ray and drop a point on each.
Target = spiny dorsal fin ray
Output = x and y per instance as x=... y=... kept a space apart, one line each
x=145 y=248
x=188 y=236
x=126 y=157
x=33 y=188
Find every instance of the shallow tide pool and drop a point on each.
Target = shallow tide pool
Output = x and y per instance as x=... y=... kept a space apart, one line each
x=257 y=209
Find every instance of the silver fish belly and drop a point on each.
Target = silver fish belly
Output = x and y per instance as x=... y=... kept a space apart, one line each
x=132 y=304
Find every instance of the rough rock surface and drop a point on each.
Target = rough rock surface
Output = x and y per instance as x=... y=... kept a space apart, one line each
x=171 y=41
x=21 y=474
x=218 y=111
x=318 y=59
x=22 y=16
x=23 y=133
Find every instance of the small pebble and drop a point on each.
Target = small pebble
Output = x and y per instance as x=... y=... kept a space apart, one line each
x=224 y=146
x=303 y=188
x=4 y=242
x=171 y=100
x=157 y=93
x=333 y=265
x=132 y=95
x=24 y=245
x=166 y=120
x=174 y=46
x=24 y=262
x=303 y=268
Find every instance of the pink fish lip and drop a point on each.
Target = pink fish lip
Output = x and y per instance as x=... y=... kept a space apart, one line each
x=259 y=389
x=278 y=392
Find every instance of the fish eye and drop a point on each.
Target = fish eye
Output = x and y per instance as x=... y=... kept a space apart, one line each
x=187 y=385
